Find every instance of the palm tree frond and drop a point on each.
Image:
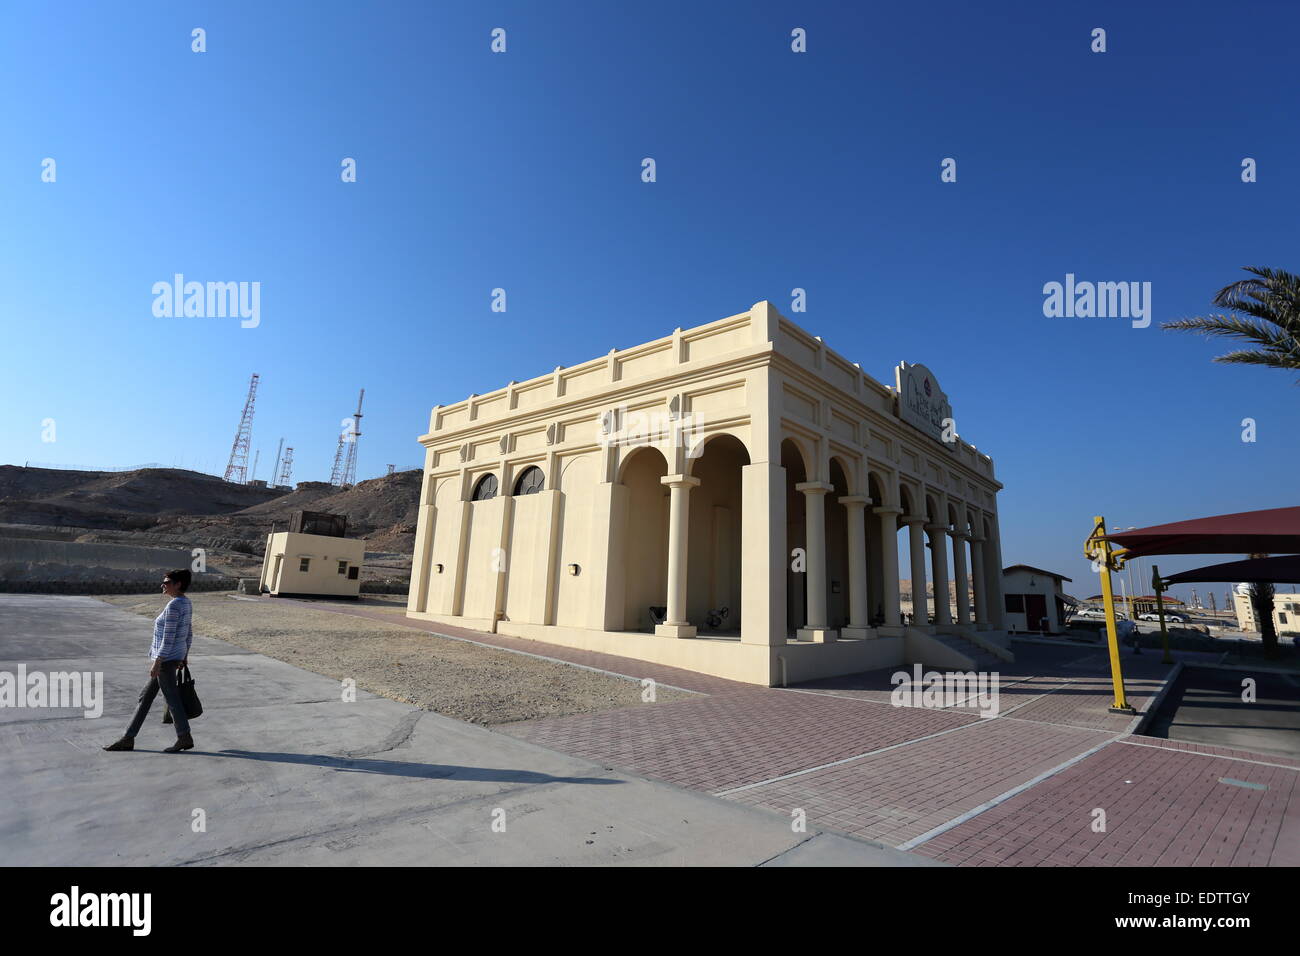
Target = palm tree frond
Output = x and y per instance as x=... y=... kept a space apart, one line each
x=1269 y=307
x=1274 y=296
x=1236 y=327
x=1255 y=357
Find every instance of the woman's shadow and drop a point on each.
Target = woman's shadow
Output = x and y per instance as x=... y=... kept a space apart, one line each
x=397 y=768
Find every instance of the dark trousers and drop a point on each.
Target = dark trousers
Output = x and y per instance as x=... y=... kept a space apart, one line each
x=171 y=693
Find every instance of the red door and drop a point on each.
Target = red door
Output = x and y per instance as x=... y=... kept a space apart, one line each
x=1035 y=611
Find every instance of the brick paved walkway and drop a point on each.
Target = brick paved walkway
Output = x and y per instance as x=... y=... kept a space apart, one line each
x=1163 y=806
x=1020 y=789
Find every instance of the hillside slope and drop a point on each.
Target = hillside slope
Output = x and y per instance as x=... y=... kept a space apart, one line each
x=129 y=500
x=176 y=508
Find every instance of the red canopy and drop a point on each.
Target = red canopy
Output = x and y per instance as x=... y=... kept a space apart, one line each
x=1272 y=531
x=1275 y=570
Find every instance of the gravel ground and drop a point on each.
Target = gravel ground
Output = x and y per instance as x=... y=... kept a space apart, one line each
x=465 y=681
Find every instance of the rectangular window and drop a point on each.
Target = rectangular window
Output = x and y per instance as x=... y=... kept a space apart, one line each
x=1015 y=603
x=352 y=573
x=343 y=567
x=304 y=564
x=1281 y=618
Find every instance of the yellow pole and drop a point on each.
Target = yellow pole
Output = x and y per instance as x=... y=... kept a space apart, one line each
x=1157 y=585
x=1097 y=549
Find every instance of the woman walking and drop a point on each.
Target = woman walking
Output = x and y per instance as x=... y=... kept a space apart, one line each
x=170 y=651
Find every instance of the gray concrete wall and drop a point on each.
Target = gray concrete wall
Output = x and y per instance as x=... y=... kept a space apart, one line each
x=124 y=556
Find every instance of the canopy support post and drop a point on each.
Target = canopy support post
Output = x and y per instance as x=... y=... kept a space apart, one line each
x=1098 y=550
x=1158 y=586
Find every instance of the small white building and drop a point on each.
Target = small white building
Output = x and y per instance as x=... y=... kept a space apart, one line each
x=312 y=564
x=1034 y=599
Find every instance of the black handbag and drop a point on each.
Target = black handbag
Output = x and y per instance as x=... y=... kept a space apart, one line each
x=189 y=696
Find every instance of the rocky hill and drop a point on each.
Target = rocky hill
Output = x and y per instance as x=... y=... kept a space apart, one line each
x=127 y=500
x=170 y=507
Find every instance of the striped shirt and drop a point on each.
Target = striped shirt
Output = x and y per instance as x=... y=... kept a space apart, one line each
x=171 y=631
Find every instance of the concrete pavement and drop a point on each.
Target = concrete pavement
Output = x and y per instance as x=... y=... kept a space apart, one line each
x=288 y=773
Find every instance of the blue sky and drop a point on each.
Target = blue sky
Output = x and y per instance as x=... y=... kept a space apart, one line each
x=775 y=171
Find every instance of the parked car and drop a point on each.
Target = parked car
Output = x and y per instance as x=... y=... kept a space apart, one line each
x=1095 y=614
x=1169 y=618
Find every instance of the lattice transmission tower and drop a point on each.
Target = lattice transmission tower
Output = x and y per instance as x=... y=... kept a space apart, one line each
x=237 y=467
x=344 y=472
x=286 y=469
x=275 y=469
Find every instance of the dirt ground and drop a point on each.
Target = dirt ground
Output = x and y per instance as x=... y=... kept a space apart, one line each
x=465 y=681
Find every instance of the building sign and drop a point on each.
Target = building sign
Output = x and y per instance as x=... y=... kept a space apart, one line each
x=922 y=404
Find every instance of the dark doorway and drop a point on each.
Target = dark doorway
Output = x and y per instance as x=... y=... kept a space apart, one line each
x=1035 y=612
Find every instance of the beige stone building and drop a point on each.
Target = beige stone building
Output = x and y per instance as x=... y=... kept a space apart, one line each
x=1286 y=611
x=733 y=499
x=312 y=564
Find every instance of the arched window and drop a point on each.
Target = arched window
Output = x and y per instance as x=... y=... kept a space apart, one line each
x=485 y=489
x=531 y=481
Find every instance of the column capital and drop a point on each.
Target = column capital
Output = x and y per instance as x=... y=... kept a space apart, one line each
x=887 y=510
x=937 y=528
x=976 y=538
x=958 y=535
x=913 y=519
x=679 y=481
x=855 y=501
x=814 y=487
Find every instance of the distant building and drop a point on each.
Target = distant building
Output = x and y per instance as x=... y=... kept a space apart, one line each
x=1034 y=599
x=322 y=565
x=1142 y=603
x=1286 y=610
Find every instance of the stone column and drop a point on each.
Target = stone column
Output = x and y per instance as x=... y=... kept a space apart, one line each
x=959 y=539
x=859 y=612
x=916 y=547
x=981 y=585
x=763 y=557
x=889 y=561
x=939 y=572
x=997 y=605
x=816 y=627
x=422 y=560
x=676 y=624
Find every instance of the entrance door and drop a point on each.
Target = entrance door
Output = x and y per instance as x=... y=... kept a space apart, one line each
x=1035 y=611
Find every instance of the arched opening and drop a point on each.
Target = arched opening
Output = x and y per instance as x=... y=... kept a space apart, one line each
x=796 y=526
x=875 y=554
x=978 y=605
x=485 y=488
x=992 y=577
x=936 y=545
x=950 y=546
x=530 y=482
x=645 y=540
x=713 y=597
x=837 y=549
x=917 y=603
